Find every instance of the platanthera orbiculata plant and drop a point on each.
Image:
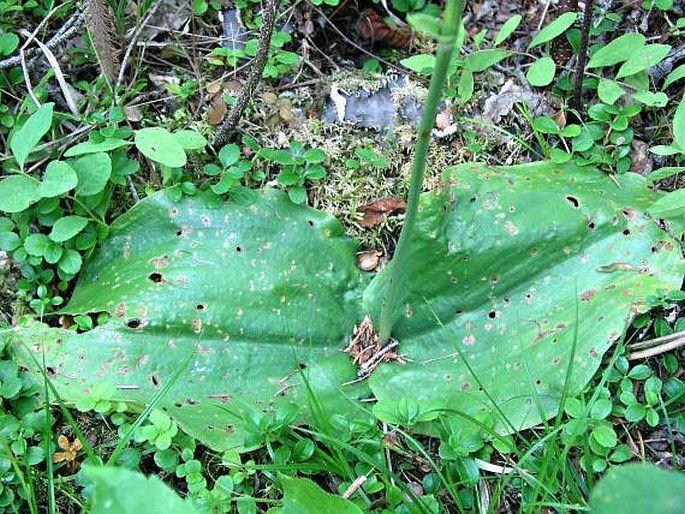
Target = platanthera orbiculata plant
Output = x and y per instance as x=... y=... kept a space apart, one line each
x=507 y=287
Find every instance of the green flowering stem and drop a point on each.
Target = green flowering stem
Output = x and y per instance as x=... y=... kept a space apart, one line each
x=451 y=25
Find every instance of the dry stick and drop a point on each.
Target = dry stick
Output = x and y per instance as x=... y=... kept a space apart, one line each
x=656 y=341
x=248 y=89
x=582 y=54
x=676 y=341
x=72 y=26
x=127 y=55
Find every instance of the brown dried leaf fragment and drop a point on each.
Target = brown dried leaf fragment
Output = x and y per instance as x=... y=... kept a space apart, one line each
x=366 y=352
x=70 y=452
x=372 y=27
x=376 y=212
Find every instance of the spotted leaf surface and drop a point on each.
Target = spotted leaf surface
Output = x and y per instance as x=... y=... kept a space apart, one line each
x=513 y=271
x=255 y=292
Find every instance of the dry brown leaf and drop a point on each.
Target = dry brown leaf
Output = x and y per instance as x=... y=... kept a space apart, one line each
x=217 y=110
x=376 y=212
x=133 y=113
x=372 y=27
x=560 y=118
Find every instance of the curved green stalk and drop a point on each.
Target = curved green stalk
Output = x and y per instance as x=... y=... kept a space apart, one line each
x=448 y=37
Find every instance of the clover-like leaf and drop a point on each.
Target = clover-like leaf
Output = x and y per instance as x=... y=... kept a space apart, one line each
x=302 y=496
x=17 y=193
x=93 y=172
x=24 y=140
x=59 y=178
x=67 y=227
x=541 y=73
x=127 y=492
x=160 y=145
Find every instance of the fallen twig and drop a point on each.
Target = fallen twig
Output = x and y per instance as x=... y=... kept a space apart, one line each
x=248 y=89
x=582 y=54
x=70 y=27
x=134 y=38
x=656 y=346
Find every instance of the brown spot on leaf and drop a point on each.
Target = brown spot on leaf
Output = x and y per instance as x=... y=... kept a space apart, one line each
x=160 y=262
x=587 y=295
x=629 y=213
x=141 y=361
x=222 y=397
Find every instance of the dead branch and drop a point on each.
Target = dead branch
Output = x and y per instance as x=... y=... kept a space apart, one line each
x=248 y=89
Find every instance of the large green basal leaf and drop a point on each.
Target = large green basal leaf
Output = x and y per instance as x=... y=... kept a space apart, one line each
x=512 y=270
x=257 y=292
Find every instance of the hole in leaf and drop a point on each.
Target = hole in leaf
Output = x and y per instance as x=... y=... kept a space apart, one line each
x=473 y=199
x=628 y=213
x=626 y=232
x=492 y=314
x=154 y=380
x=573 y=201
x=134 y=323
x=200 y=306
x=310 y=223
x=156 y=277
x=238 y=249
x=591 y=225
x=303 y=365
x=51 y=371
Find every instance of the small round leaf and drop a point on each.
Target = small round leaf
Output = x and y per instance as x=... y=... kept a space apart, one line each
x=17 y=193
x=58 y=179
x=159 y=145
x=67 y=227
x=541 y=73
